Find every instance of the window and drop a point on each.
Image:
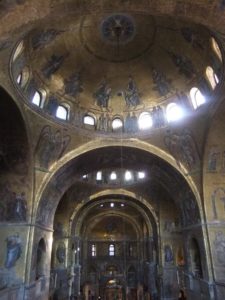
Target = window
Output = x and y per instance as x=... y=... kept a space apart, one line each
x=89 y=120
x=141 y=175
x=36 y=100
x=216 y=48
x=145 y=121
x=212 y=77
x=18 y=51
x=197 y=98
x=19 y=79
x=117 y=124
x=62 y=112
x=195 y=255
x=111 y=250
x=173 y=112
x=128 y=176
x=113 y=176
x=93 y=250
x=99 y=176
x=23 y=77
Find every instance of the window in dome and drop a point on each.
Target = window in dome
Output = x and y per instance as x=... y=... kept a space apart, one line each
x=89 y=120
x=216 y=48
x=111 y=250
x=113 y=176
x=19 y=79
x=99 y=176
x=141 y=175
x=212 y=77
x=173 y=112
x=62 y=112
x=145 y=120
x=36 y=100
x=117 y=124
x=197 y=98
x=93 y=250
x=128 y=176
x=18 y=51
x=23 y=77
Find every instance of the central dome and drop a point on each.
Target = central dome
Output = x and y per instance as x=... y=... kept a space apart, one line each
x=116 y=62
x=114 y=38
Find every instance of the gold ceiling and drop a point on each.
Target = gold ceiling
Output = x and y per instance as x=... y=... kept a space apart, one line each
x=118 y=62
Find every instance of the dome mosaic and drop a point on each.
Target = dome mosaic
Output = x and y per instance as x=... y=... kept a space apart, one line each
x=98 y=69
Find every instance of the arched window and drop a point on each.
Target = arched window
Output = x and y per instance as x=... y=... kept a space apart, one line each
x=212 y=77
x=18 y=50
x=131 y=277
x=93 y=250
x=111 y=250
x=40 y=259
x=128 y=175
x=173 y=112
x=216 y=48
x=22 y=77
x=89 y=120
x=36 y=100
x=62 y=112
x=145 y=120
x=113 y=176
x=117 y=124
x=196 y=266
x=197 y=98
x=19 y=79
x=99 y=176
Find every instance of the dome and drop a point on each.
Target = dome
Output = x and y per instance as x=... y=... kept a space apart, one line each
x=114 y=66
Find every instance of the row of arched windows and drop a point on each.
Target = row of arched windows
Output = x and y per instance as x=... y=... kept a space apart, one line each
x=155 y=117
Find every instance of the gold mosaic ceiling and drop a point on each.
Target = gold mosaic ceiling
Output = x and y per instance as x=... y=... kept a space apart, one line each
x=118 y=62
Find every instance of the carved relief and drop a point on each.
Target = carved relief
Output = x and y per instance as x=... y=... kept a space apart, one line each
x=168 y=254
x=102 y=94
x=190 y=211
x=162 y=85
x=131 y=94
x=218 y=196
x=44 y=38
x=183 y=64
x=219 y=244
x=213 y=157
x=61 y=253
x=14 y=206
x=51 y=146
x=183 y=147
x=192 y=37
x=73 y=85
x=53 y=65
x=5 y=44
x=13 y=250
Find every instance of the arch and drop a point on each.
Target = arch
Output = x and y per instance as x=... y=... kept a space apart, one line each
x=41 y=258
x=197 y=98
x=131 y=276
x=18 y=50
x=145 y=120
x=39 y=97
x=211 y=77
x=195 y=257
x=173 y=112
x=62 y=111
x=22 y=77
x=89 y=119
x=117 y=124
x=216 y=48
x=67 y=163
